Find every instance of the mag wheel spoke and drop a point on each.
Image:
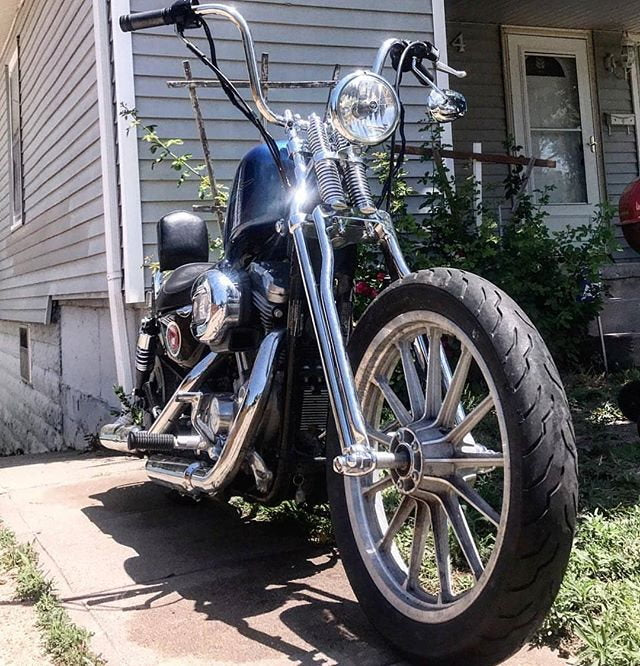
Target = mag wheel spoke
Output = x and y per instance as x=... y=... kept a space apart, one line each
x=399 y=518
x=473 y=497
x=394 y=402
x=412 y=380
x=378 y=486
x=380 y=437
x=462 y=533
x=471 y=420
x=440 y=526
x=434 y=375
x=418 y=543
x=450 y=404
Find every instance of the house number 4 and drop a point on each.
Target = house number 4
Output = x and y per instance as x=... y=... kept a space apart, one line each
x=459 y=43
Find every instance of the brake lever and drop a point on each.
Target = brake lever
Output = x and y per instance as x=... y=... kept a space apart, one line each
x=459 y=73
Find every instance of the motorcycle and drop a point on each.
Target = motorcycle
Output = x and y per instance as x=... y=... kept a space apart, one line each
x=437 y=426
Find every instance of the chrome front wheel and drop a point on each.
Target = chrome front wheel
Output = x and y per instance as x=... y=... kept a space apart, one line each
x=449 y=547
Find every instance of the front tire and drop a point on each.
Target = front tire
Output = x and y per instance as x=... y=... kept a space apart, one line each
x=457 y=559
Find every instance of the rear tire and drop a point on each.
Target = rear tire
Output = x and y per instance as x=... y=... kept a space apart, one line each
x=505 y=606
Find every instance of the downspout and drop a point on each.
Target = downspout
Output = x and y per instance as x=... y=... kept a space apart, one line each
x=112 y=236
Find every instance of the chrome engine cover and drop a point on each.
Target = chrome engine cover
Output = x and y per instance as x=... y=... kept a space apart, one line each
x=218 y=306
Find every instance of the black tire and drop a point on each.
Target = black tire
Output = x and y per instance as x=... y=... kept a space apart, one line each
x=540 y=523
x=629 y=401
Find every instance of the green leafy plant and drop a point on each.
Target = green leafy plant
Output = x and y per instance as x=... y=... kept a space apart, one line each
x=165 y=150
x=127 y=408
x=553 y=275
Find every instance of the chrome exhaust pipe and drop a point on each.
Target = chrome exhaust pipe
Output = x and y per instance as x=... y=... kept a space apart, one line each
x=201 y=477
x=115 y=436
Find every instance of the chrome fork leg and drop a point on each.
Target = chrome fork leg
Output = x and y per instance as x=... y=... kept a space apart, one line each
x=337 y=369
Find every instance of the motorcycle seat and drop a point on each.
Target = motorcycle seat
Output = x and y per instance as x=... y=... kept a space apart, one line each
x=176 y=290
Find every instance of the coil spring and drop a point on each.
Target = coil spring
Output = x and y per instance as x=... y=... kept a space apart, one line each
x=145 y=353
x=355 y=173
x=144 y=360
x=329 y=182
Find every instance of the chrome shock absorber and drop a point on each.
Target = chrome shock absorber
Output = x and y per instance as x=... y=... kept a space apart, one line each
x=324 y=161
x=355 y=173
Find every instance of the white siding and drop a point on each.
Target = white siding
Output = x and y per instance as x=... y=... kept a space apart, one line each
x=59 y=251
x=304 y=41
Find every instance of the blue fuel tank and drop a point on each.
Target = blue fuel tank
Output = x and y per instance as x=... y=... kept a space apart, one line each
x=258 y=199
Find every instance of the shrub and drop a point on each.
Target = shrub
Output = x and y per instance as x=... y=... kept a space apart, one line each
x=553 y=275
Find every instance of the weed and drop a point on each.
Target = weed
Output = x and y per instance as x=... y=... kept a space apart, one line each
x=67 y=643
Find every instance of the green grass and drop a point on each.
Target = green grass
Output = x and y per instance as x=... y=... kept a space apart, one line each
x=65 y=642
x=596 y=617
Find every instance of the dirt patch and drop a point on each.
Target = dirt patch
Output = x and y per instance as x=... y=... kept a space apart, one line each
x=19 y=637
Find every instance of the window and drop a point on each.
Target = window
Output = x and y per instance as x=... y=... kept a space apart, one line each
x=25 y=354
x=15 y=139
x=550 y=77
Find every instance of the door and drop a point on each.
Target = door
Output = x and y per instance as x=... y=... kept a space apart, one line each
x=553 y=119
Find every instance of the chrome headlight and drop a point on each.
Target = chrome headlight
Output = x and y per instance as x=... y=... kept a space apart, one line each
x=364 y=108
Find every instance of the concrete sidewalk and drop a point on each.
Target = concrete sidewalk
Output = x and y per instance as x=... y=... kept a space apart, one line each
x=160 y=583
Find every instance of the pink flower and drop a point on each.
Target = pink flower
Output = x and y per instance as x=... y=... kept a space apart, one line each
x=362 y=288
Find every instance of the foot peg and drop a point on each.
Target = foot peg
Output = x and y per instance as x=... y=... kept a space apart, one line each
x=143 y=440
x=150 y=441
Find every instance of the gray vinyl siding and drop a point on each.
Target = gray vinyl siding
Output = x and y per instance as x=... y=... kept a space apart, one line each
x=304 y=42
x=59 y=250
x=620 y=149
x=486 y=119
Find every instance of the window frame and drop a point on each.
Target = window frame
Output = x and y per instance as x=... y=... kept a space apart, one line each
x=12 y=70
x=27 y=377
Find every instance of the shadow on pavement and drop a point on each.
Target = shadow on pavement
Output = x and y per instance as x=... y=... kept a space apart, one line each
x=235 y=571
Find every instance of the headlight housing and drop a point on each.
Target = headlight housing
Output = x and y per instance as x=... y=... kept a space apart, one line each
x=364 y=108
x=217 y=307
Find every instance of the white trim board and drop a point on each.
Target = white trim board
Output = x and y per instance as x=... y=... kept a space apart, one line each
x=128 y=165
x=442 y=79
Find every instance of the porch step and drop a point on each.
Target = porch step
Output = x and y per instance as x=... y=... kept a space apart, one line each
x=623 y=280
x=628 y=288
x=621 y=315
x=623 y=350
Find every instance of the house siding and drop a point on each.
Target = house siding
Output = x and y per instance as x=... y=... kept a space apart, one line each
x=620 y=149
x=59 y=250
x=304 y=42
x=486 y=120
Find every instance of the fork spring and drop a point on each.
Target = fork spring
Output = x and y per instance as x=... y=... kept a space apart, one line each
x=355 y=173
x=327 y=174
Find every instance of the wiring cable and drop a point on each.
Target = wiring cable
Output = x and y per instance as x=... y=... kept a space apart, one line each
x=236 y=98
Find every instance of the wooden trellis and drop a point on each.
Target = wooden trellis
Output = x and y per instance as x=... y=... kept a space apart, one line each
x=265 y=83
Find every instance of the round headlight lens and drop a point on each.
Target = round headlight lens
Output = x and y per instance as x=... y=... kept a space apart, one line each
x=364 y=108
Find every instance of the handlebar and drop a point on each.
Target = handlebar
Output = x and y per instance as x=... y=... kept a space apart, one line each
x=424 y=50
x=180 y=13
x=190 y=14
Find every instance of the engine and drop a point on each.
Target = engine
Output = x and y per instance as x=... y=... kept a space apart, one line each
x=232 y=309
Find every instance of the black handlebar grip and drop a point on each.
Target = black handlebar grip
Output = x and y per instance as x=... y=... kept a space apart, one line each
x=142 y=20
